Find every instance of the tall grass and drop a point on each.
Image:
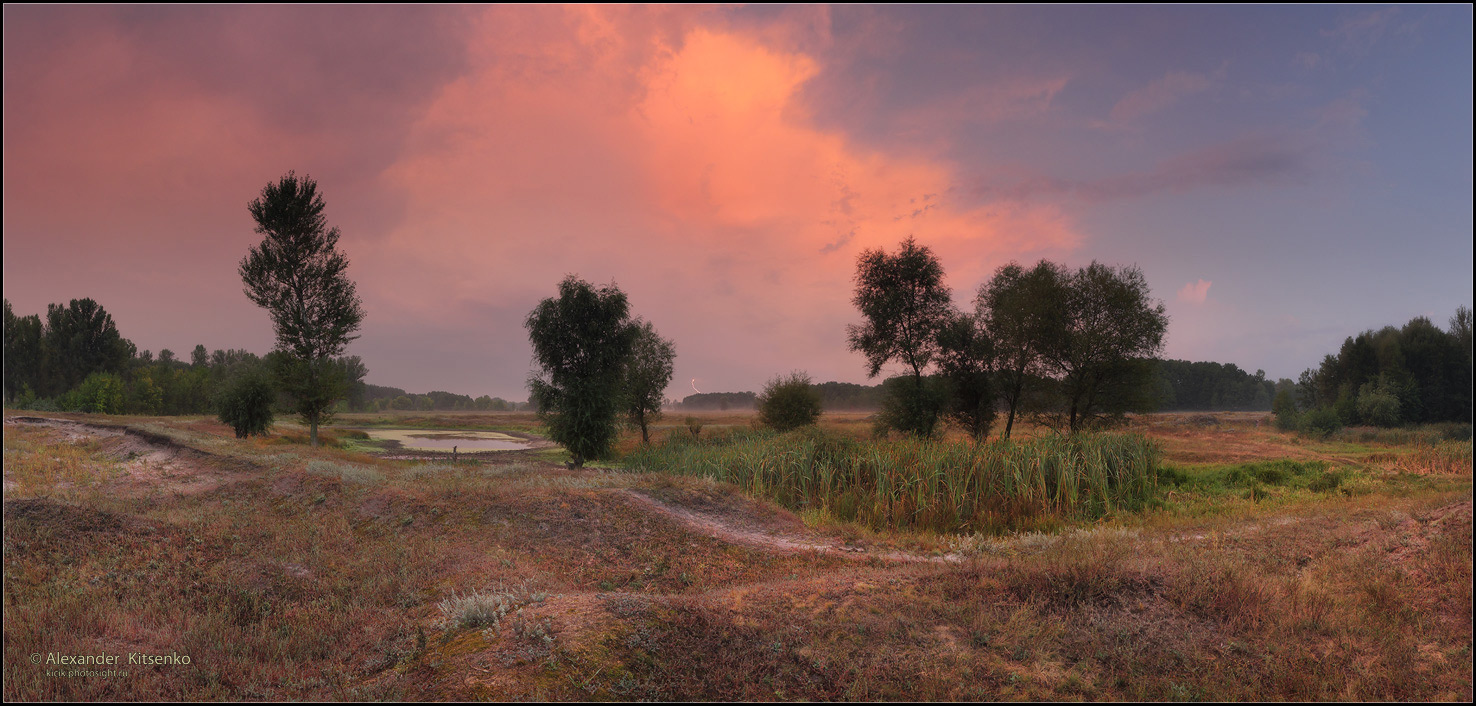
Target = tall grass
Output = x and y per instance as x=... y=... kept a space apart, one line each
x=942 y=486
x=1445 y=458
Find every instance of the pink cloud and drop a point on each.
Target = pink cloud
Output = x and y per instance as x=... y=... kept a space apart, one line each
x=1194 y=292
x=674 y=156
x=1159 y=95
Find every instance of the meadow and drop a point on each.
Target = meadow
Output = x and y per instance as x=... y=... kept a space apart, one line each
x=1184 y=557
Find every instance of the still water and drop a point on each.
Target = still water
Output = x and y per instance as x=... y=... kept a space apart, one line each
x=465 y=441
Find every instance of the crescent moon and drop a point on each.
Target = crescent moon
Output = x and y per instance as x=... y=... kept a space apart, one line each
x=694 y=386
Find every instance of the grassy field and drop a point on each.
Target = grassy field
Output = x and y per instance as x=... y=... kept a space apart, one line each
x=1259 y=566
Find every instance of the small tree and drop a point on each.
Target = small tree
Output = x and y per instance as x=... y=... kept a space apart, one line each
x=789 y=402
x=905 y=304
x=298 y=275
x=647 y=373
x=245 y=404
x=581 y=342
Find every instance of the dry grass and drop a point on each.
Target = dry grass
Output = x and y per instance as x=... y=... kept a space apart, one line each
x=310 y=574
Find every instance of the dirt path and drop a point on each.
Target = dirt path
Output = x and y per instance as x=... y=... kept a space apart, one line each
x=754 y=535
x=149 y=463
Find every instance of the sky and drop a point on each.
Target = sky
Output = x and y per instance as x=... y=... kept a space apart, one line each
x=1283 y=176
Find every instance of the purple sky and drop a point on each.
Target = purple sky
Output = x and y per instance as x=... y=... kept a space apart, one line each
x=1284 y=176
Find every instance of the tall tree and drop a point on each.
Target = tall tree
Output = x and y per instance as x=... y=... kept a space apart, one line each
x=1112 y=327
x=80 y=339
x=581 y=342
x=905 y=304
x=298 y=275
x=22 y=353
x=1024 y=312
x=648 y=371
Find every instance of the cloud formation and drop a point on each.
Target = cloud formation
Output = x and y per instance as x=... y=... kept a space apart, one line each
x=1194 y=292
x=676 y=158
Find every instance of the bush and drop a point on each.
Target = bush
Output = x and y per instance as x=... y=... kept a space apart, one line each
x=100 y=393
x=1378 y=405
x=1321 y=422
x=1285 y=409
x=246 y=404
x=911 y=410
x=789 y=402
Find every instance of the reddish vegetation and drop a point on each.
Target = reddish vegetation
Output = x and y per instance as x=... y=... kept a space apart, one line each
x=292 y=573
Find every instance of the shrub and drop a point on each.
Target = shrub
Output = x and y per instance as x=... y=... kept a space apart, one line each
x=100 y=393
x=1285 y=409
x=789 y=402
x=245 y=404
x=1321 y=422
x=912 y=406
x=1378 y=405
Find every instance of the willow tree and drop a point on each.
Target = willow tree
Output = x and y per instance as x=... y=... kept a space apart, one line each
x=298 y=275
x=581 y=342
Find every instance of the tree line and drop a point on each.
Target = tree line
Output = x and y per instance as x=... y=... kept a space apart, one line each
x=1070 y=348
x=75 y=360
x=376 y=398
x=1417 y=374
x=1174 y=385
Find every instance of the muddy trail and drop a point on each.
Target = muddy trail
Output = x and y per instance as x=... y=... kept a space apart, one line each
x=150 y=463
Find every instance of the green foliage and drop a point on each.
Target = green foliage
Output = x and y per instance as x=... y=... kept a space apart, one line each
x=581 y=342
x=142 y=396
x=965 y=362
x=23 y=354
x=298 y=275
x=789 y=402
x=912 y=406
x=647 y=373
x=78 y=339
x=245 y=404
x=100 y=393
x=1285 y=409
x=1024 y=313
x=913 y=483
x=905 y=303
x=1378 y=405
x=1207 y=386
x=1321 y=422
x=1112 y=326
x=1428 y=372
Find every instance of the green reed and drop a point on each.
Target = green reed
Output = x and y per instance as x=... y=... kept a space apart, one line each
x=923 y=484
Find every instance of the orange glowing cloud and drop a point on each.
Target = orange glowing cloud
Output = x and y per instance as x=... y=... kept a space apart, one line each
x=674 y=156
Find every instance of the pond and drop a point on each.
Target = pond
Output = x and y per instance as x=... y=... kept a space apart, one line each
x=464 y=441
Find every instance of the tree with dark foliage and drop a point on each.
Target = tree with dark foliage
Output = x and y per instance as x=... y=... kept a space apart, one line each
x=965 y=362
x=581 y=343
x=1024 y=313
x=905 y=304
x=1112 y=327
x=647 y=373
x=298 y=275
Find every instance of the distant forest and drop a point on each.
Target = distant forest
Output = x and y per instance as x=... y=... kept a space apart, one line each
x=1176 y=385
x=76 y=360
